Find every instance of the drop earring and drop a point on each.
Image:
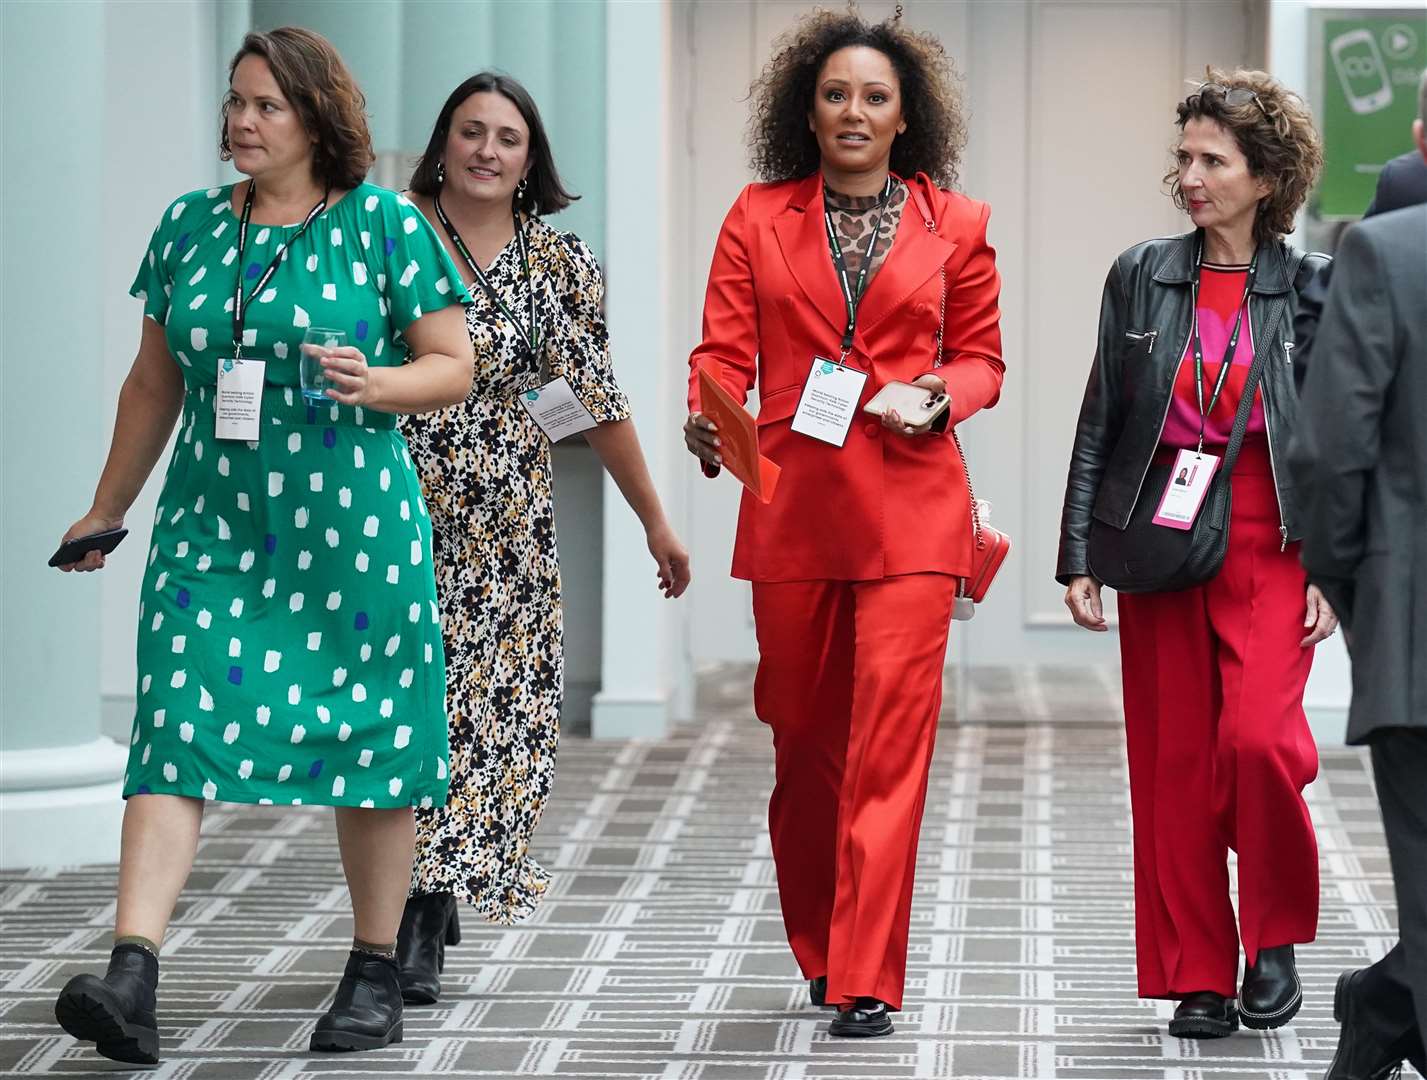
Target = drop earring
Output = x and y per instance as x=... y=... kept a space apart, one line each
x=440 y=172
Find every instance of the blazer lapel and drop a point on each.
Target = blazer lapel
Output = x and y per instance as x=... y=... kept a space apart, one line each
x=802 y=237
x=916 y=255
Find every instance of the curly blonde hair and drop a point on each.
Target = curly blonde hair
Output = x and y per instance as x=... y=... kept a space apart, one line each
x=1274 y=131
x=782 y=148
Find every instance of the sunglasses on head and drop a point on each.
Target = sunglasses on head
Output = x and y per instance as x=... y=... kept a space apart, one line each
x=1229 y=95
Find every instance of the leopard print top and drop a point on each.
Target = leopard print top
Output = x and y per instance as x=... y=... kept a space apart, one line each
x=853 y=216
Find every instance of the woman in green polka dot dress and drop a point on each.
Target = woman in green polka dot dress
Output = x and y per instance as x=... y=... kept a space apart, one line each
x=289 y=637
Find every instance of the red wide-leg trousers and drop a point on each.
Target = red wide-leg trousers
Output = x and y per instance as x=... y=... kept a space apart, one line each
x=849 y=679
x=1219 y=755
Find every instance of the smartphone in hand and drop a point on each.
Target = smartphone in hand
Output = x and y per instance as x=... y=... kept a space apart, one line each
x=72 y=551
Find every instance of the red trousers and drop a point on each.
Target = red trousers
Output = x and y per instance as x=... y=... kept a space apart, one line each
x=1219 y=753
x=849 y=679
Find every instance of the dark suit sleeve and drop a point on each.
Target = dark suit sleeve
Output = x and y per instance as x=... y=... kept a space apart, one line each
x=1098 y=429
x=1337 y=442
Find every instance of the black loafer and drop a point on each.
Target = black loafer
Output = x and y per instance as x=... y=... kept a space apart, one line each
x=817 y=992
x=866 y=1019
x=118 y=1013
x=1271 y=994
x=366 y=1013
x=429 y=923
x=1371 y=1046
x=1205 y=1015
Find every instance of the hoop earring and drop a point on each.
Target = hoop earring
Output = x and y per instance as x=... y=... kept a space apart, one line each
x=440 y=172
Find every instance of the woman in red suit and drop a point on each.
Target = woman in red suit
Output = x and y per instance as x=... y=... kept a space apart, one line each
x=851 y=251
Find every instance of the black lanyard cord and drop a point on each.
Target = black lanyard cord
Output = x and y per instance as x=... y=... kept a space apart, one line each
x=1227 y=363
x=240 y=306
x=531 y=337
x=852 y=295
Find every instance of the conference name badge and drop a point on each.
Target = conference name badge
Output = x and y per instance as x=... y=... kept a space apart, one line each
x=557 y=409
x=829 y=401
x=238 y=405
x=1185 y=491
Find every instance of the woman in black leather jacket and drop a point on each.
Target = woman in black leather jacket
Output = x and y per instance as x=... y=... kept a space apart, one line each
x=1219 y=747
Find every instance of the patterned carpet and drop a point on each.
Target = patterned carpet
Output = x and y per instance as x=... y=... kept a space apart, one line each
x=659 y=953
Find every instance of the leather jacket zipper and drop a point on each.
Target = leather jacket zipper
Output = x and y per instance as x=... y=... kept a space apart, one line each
x=1153 y=335
x=1273 y=469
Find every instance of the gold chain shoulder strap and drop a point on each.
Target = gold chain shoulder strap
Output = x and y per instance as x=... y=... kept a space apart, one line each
x=955 y=438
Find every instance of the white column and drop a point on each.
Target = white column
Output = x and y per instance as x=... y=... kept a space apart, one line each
x=643 y=653
x=59 y=779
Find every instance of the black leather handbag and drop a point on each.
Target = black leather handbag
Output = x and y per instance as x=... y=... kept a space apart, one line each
x=1144 y=557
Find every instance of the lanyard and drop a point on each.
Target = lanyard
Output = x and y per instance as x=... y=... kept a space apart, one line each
x=1229 y=349
x=240 y=306
x=852 y=296
x=531 y=337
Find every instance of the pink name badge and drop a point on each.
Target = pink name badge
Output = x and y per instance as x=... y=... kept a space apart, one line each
x=1184 y=494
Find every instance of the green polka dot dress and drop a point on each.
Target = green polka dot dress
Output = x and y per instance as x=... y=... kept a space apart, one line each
x=289 y=639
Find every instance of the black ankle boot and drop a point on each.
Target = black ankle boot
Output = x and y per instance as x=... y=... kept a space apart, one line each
x=866 y=1018
x=817 y=992
x=428 y=924
x=1205 y=1015
x=1271 y=995
x=366 y=1013
x=117 y=1013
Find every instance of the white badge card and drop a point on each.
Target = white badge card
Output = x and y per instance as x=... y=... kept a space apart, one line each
x=557 y=409
x=1184 y=494
x=238 y=406
x=829 y=401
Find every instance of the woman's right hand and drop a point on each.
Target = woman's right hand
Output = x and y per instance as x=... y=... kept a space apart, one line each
x=88 y=525
x=1082 y=597
x=701 y=437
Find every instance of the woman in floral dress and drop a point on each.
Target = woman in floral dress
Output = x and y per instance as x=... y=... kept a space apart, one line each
x=536 y=318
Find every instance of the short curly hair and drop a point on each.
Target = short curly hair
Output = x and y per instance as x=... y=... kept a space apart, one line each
x=1274 y=131
x=313 y=77
x=782 y=148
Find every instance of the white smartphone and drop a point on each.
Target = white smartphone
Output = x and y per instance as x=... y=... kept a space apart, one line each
x=1361 y=71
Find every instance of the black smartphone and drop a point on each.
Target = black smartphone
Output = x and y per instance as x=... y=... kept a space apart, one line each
x=72 y=551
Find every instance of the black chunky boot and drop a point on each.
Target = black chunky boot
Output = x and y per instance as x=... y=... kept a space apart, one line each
x=1205 y=1015
x=866 y=1018
x=428 y=924
x=1271 y=995
x=366 y=1013
x=117 y=1013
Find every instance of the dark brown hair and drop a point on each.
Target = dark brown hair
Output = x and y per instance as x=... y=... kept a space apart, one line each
x=314 y=79
x=782 y=148
x=1274 y=131
x=544 y=192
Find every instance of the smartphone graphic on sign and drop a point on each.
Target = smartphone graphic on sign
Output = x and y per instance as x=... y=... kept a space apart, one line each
x=1361 y=71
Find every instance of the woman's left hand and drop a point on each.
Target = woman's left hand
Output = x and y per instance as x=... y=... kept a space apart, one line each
x=351 y=378
x=673 y=560
x=1320 y=622
x=892 y=419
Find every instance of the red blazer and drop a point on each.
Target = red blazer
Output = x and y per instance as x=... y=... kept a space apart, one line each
x=882 y=504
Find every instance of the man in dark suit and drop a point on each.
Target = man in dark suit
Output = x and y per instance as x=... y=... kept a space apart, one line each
x=1361 y=460
x=1402 y=183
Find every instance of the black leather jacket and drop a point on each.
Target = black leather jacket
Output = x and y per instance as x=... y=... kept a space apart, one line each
x=1145 y=323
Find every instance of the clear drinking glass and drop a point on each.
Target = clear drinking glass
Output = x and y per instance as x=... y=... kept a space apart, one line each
x=314 y=379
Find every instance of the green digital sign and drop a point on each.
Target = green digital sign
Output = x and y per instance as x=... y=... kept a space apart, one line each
x=1371 y=67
